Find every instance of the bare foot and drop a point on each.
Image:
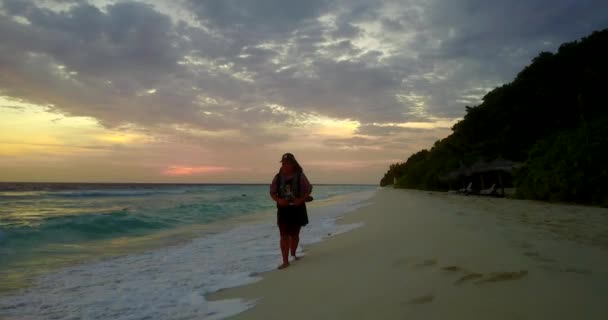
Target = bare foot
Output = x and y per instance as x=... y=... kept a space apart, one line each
x=296 y=257
x=283 y=266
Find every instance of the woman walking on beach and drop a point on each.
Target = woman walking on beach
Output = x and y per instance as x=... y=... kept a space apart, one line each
x=290 y=189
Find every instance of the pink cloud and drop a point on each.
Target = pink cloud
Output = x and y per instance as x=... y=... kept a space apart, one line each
x=190 y=171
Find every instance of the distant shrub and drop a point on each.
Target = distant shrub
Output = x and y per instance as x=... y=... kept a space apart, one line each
x=570 y=166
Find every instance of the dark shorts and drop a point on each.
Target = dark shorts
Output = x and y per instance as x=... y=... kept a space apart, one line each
x=291 y=218
x=289 y=229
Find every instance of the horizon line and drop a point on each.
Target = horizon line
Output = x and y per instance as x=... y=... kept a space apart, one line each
x=175 y=183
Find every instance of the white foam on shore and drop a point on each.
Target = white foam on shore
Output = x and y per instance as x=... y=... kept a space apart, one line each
x=171 y=283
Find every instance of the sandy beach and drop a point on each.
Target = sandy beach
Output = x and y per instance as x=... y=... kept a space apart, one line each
x=426 y=255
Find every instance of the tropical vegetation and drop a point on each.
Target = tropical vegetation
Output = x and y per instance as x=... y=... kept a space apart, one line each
x=553 y=118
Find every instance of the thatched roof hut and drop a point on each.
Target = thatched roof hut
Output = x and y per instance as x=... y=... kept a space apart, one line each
x=463 y=171
x=481 y=168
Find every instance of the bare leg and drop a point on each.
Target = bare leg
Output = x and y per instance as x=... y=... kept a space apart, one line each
x=293 y=244
x=284 y=252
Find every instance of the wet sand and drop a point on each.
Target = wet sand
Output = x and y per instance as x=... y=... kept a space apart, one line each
x=426 y=255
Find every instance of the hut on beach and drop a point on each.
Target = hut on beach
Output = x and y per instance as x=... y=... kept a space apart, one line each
x=486 y=177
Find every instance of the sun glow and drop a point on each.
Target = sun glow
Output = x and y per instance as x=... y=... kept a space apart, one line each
x=334 y=127
x=316 y=123
x=29 y=129
x=190 y=171
x=120 y=138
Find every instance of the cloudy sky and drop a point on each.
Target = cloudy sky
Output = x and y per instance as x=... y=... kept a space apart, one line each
x=217 y=90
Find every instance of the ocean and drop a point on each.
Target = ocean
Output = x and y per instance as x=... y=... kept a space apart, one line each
x=145 y=251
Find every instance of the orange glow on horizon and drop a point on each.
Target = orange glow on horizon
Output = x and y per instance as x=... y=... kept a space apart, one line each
x=189 y=171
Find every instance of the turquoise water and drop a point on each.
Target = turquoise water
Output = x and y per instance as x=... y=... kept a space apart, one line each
x=46 y=226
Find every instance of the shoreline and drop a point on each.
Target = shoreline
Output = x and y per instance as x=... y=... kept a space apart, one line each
x=428 y=255
x=171 y=281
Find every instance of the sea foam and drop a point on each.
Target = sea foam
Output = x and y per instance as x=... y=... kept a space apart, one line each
x=172 y=282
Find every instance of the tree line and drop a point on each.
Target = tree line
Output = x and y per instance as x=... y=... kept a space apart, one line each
x=553 y=117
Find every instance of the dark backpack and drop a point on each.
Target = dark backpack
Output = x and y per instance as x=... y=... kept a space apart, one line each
x=295 y=186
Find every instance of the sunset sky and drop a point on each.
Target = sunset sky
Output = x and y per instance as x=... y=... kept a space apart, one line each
x=216 y=91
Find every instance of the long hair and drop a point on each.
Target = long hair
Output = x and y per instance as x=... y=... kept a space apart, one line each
x=297 y=167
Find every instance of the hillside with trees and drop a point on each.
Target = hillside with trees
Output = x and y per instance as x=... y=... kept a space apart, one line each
x=552 y=118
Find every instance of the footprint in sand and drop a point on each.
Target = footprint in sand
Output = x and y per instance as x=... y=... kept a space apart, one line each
x=422 y=299
x=468 y=277
x=492 y=277
x=503 y=276
x=452 y=268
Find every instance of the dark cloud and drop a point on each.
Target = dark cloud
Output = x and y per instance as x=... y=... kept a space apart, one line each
x=477 y=21
x=392 y=25
x=130 y=38
x=371 y=61
x=346 y=30
x=108 y=60
x=257 y=19
x=474 y=43
x=346 y=89
x=354 y=142
x=360 y=11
